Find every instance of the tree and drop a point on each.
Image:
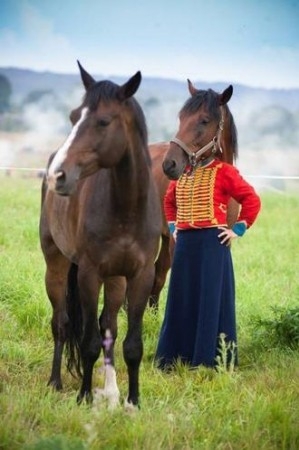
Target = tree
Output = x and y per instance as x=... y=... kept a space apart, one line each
x=39 y=95
x=5 y=93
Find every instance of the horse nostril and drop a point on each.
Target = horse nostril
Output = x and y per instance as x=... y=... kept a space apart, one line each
x=60 y=178
x=168 y=165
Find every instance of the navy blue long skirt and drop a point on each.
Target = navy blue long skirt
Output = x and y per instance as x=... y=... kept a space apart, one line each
x=200 y=302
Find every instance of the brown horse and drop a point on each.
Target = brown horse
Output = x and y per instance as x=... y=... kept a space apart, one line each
x=100 y=224
x=205 y=121
x=163 y=262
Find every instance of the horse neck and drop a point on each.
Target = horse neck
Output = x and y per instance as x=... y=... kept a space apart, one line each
x=131 y=177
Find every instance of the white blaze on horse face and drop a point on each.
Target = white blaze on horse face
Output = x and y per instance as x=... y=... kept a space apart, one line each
x=62 y=151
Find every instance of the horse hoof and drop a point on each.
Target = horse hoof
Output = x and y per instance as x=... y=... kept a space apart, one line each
x=130 y=408
x=111 y=397
x=87 y=396
x=79 y=399
x=56 y=385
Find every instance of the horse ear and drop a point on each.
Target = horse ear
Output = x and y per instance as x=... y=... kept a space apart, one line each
x=128 y=89
x=87 y=79
x=226 y=95
x=191 y=88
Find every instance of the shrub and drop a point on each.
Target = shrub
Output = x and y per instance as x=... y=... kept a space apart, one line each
x=282 y=329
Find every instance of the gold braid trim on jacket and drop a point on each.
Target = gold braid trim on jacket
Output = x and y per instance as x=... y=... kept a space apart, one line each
x=194 y=196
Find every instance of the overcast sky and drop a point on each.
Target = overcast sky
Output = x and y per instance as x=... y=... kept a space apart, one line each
x=253 y=42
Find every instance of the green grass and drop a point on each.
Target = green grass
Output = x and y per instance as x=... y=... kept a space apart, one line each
x=255 y=407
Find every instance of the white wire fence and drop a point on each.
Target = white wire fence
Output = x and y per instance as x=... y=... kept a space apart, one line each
x=42 y=169
x=276 y=183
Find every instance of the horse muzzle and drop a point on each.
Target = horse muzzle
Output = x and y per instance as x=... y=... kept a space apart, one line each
x=63 y=182
x=172 y=169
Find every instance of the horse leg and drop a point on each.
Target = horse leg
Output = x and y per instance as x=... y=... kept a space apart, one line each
x=162 y=266
x=91 y=342
x=114 y=296
x=138 y=291
x=56 y=282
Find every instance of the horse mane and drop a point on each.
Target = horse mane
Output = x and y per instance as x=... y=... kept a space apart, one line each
x=106 y=91
x=232 y=129
x=209 y=99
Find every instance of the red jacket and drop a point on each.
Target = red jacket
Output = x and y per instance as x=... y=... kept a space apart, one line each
x=200 y=200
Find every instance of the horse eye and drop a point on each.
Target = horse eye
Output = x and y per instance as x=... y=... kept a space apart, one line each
x=204 y=122
x=103 y=123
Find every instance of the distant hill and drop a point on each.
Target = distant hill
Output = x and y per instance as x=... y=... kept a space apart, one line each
x=267 y=120
x=25 y=81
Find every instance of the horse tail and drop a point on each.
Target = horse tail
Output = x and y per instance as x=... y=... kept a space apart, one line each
x=75 y=329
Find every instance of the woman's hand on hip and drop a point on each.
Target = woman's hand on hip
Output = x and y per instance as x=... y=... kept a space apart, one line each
x=226 y=236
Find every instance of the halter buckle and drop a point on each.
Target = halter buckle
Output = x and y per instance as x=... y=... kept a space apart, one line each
x=192 y=160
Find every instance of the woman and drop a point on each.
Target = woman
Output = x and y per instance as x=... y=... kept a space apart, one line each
x=201 y=296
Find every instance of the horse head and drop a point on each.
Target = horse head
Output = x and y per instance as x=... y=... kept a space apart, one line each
x=99 y=134
x=203 y=127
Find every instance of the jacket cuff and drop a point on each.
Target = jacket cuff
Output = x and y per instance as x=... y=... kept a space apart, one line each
x=171 y=227
x=239 y=228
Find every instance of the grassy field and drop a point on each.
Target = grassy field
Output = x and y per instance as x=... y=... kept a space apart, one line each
x=255 y=407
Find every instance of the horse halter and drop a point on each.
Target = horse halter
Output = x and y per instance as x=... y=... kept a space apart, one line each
x=214 y=143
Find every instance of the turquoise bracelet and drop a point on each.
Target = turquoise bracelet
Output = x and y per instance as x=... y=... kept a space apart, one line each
x=171 y=227
x=239 y=228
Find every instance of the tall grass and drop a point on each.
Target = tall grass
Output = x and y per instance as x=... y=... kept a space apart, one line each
x=256 y=406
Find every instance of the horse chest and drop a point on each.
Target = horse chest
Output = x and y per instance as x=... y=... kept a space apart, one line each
x=113 y=254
